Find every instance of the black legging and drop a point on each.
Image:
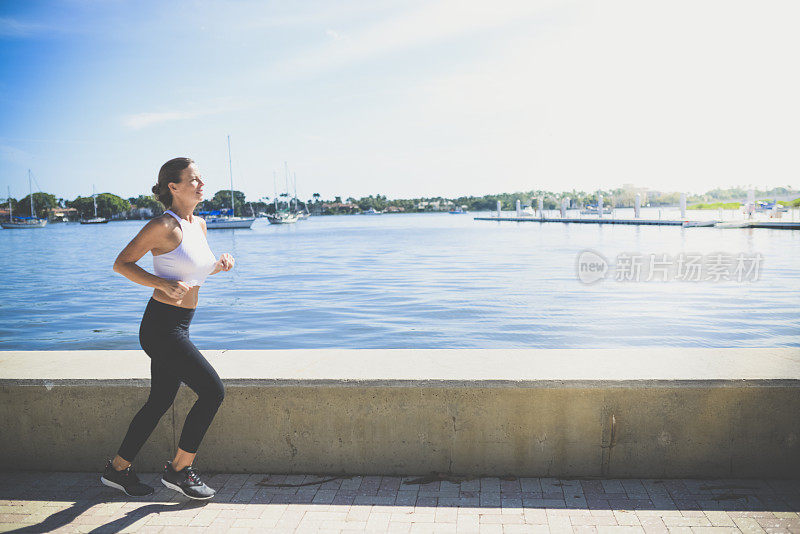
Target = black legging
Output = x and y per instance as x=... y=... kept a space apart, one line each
x=164 y=336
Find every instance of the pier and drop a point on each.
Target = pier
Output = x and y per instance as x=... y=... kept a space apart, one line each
x=776 y=224
x=654 y=222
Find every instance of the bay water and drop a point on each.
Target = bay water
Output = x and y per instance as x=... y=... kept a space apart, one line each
x=406 y=281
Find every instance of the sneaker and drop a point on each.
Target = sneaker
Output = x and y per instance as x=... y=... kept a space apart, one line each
x=125 y=480
x=186 y=481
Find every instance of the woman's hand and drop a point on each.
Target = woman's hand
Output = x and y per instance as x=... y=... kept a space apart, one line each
x=224 y=263
x=175 y=289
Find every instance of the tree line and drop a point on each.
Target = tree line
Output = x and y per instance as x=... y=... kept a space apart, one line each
x=113 y=206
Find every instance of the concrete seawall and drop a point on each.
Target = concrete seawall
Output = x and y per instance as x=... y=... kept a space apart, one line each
x=615 y=413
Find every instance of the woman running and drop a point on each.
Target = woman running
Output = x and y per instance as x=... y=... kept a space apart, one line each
x=181 y=262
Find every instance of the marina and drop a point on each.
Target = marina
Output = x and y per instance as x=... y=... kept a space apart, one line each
x=771 y=215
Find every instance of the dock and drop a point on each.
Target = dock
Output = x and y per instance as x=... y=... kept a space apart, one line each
x=784 y=225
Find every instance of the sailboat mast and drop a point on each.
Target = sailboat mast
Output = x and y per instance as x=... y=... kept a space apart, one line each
x=275 y=187
x=10 y=209
x=296 y=203
x=30 y=192
x=230 y=166
x=94 y=202
x=286 y=176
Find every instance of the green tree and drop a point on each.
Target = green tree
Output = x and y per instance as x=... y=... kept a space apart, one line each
x=14 y=203
x=108 y=205
x=42 y=202
x=222 y=201
x=147 y=201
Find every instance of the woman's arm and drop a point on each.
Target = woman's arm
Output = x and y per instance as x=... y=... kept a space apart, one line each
x=154 y=233
x=225 y=261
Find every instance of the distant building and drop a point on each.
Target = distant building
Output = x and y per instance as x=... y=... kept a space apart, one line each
x=435 y=205
x=63 y=214
x=140 y=213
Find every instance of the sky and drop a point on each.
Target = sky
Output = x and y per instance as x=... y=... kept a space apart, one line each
x=402 y=98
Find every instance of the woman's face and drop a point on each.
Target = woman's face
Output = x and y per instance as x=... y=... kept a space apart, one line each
x=190 y=188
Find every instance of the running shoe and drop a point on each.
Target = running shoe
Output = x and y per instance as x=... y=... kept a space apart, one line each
x=186 y=481
x=125 y=480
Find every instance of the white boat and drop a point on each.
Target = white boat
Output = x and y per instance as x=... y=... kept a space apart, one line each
x=458 y=211
x=371 y=211
x=23 y=222
x=301 y=215
x=528 y=211
x=221 y=221
x=733 y=224
x=95 y=219
x=287 y=214
x=225 y=221
x=592 y=210
x=283 y=217
x=765 y=207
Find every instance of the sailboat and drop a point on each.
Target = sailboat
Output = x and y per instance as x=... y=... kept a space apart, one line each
x=24 y=222
x=95 y=219
x=216 y=219
x=304 y=214
x=284 y=216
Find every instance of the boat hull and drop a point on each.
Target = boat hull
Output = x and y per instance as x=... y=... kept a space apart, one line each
x=22 y=226
x=232 y=222
x=595 y=212
x=282 y=220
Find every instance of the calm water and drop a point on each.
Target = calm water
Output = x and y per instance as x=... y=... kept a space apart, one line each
x=404 y=281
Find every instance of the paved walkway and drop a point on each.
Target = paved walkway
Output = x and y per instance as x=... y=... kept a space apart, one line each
x=77 y=502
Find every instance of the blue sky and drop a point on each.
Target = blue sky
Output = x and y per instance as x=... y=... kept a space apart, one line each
x=401 y=98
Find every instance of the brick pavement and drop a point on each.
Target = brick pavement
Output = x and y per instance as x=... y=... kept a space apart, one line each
x=77 y=502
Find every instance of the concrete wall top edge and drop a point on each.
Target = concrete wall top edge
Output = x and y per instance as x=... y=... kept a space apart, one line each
x=442 y=384
x=449 y=367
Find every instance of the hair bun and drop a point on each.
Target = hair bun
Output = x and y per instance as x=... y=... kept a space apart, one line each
x=155 y=189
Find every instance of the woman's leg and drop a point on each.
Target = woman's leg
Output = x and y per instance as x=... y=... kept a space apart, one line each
x=164 y=385
x=197 y=373
x=200 y=376
x=119 y=474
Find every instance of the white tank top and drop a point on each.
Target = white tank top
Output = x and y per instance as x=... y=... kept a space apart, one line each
x=192 y=261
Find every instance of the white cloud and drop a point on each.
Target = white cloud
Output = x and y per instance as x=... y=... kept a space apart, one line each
x=137 y=121
x=333 y=34
x=142 y=120
x=430 y=23
x=14 y=155
x=15 y=28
